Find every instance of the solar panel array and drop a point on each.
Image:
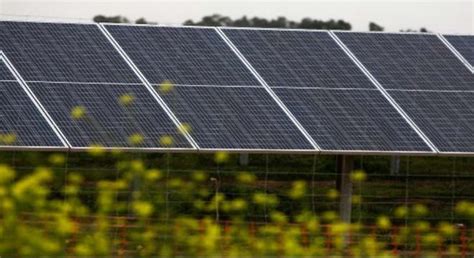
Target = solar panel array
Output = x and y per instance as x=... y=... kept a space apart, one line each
x=189 y=88
x=464 y=44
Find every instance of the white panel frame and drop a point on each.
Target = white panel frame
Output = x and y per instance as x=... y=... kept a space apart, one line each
x=39 y=107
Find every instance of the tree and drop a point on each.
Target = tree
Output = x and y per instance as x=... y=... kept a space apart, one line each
x=375 y=27
x=141 y=21
x=111 y=19
x=211 y=20
x=220 y=20
x=422 y=29
x=279 y=22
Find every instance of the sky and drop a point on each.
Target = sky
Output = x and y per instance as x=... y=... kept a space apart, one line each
x=444 y=16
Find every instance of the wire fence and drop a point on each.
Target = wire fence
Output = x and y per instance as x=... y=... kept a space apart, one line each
x=172 y=204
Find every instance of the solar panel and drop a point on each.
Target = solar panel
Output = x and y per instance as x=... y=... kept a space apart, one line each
x=63 y=52
x=290 y=58
x=107 y=115
x=427 y=81
x=464 y=44
x=448 y=117
x=234 y=118
x=330 y=96
x=341 y=119
x=21 y=123
x=409 y=61
x=185 y=56
x=73 y=68
x=202 y=66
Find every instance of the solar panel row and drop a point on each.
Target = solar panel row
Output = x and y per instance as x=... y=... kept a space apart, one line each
x=242 y=89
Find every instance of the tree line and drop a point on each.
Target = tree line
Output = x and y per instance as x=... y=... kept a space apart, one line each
x=244 y=21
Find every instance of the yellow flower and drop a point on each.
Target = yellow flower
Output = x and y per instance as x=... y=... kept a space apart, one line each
x=332 y=194
x=8 y=138
x=401 y=212
x=431 y=239
x=422 y=226
x=339 y=228
x=329 y=216
x=356 y=199
x=6 y=174
x=447 y=229
x=57 y=159
x=166 y=141
x=358 y=176
x=462 y=207
x=184 y=128
x=142 y=208
x=96 y=150
x=135 y=139
x=265 y=199
x=78 y=112
x=383 y=222
x=126 y=99
x=246 y=177
x=278 y=217
x=419 y=210
x=238 y=204
x=221 y=157
x=298 y=189
x=153 y=175
x=137 y=165
x=166 y=86
x=199 y=176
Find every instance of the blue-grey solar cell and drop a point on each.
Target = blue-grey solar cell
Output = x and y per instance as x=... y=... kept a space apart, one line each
x=112 y=114
x=298 y=58
x=446 y=117
x=351 y=120
x=409 y=61
x=235 y=118
x=464 y=44
x=21 y=124
x=187 y=56
x=63 y=52
x=5 y=74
